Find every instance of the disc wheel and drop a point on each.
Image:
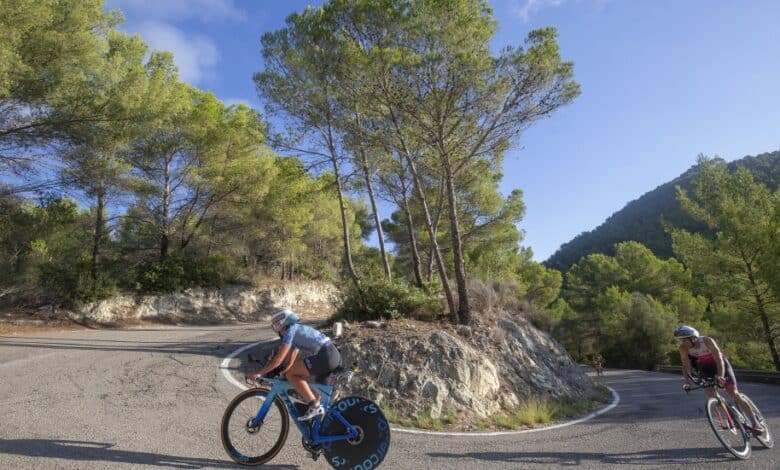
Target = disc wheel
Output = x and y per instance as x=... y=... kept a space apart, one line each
x=254 y=445
x=728 y=429
x=766 y=439
x=370 y=447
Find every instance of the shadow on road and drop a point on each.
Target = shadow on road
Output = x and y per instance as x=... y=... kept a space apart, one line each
x=83 y=451
x=217 y=349
x=197 y=346
x=653 y=458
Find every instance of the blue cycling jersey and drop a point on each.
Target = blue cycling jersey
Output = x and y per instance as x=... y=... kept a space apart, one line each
x=309 y=340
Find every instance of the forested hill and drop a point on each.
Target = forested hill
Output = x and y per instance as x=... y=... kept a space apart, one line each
x=640 y=219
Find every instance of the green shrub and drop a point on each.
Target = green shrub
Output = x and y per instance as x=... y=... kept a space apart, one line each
x=176 y=273
x=533 y=411
x=73 y=282
x=382 y=299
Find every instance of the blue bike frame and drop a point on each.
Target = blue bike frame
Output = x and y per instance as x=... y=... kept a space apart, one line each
x=310 y=433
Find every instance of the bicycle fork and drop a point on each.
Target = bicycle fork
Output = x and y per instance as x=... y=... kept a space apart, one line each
x=725 y=418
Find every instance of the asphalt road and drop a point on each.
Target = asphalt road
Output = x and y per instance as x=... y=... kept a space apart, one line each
x=153 y=398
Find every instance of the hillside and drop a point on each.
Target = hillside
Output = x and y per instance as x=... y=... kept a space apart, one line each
x=640 y=219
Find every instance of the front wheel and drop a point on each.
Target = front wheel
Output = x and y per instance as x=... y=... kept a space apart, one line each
x=765 y=438
x=254 y=445
x=728 y=429
x=370 y=447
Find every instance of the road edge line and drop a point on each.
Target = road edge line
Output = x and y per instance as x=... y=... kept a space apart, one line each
x=224 y=366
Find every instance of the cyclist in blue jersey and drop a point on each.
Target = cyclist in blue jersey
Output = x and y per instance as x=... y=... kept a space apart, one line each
x=322 y=357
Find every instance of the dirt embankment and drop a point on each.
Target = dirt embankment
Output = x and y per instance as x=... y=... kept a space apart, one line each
x=34 y=312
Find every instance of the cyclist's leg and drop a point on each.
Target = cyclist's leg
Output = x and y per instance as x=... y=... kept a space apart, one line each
x=297 y=376
x=733 y=390
x=318 y=365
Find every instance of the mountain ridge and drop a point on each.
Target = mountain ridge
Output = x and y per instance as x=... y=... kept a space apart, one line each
x=640 y=219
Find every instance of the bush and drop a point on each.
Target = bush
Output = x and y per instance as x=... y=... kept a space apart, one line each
x=382 y=299
x=176 y=273
x=74 y=282
x=486 y=297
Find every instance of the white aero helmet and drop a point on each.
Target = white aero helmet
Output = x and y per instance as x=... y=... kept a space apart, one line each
x=686 y=331
x=282 y=319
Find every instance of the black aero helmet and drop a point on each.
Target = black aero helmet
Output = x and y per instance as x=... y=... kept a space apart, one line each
x=686 y=331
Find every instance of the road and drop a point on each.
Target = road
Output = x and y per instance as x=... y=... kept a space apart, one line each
x=153 y=398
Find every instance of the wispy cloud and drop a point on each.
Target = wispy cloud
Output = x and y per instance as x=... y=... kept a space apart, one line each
x=195 y=55
x=158 y=22
x=525 y=9
x=178 y=10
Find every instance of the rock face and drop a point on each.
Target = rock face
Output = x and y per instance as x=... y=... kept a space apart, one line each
x=233 y=303
x=472 y=372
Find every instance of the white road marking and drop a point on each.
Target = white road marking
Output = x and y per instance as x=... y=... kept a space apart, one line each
x=615 y=400
x=226 y=362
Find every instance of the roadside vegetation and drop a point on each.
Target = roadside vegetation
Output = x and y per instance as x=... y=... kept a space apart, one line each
x=532 y=412
x=116 y=175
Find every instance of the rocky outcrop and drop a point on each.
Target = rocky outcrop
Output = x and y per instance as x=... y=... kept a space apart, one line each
x=472 y=372
x=233 y=303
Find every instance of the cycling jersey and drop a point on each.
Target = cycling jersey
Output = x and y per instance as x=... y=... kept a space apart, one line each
x=305 y=338
x=703 y=360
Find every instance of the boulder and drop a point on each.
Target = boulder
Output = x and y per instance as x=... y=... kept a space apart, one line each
x=431 y=369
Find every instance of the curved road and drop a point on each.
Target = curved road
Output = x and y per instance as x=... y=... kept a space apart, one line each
x=153 y=398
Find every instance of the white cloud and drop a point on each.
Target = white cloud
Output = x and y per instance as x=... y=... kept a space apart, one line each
x=177 y=10
x=195 y=56
x=525 y=8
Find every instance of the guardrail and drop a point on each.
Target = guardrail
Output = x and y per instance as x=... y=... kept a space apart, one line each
x=745 y=375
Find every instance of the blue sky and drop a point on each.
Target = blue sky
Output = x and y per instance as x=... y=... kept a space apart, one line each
x=662 y=81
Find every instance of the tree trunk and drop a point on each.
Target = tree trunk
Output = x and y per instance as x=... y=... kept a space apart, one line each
x=445 y=282
x=166 y=207
x=436 y=222
x=98 y=235
x=380 y=234
x=344 y=227
x=212 y=230
x=768 y=336
x=464 y=309
x=412 y=241
x=761 y=304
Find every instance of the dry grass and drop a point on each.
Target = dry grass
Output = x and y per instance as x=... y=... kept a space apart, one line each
x=490 y=297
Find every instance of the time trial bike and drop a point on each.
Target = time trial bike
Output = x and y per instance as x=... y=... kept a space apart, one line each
x=729 y=423
x=353 y=433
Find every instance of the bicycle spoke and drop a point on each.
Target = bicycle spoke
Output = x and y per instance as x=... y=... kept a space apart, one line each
x=766 y=438
x=249 y=442
x=727 y=429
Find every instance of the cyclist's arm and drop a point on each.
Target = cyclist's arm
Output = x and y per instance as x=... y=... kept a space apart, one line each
x=686 y=364
x=291 y=361
x=715 y=350
x=284 y=349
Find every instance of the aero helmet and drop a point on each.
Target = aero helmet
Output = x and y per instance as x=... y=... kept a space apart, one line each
x=282 y=319
x=686 y=331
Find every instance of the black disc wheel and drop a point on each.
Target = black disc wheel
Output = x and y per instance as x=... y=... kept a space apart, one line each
x=728 y=428
x=254 y=445
x=369 y=447
x=766 y=439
